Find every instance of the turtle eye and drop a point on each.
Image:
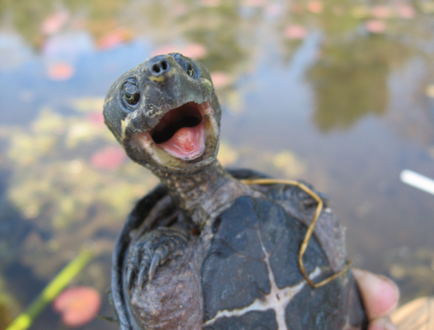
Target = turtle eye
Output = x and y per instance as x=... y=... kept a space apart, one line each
x=190 y=70
x=131 y=93
x=189 y=67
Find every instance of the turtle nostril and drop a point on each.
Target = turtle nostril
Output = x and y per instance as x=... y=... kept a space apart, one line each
x=164 y=65
x=156 y=68
x=159 y=66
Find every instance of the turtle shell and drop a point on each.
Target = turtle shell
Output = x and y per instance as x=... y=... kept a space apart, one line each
x=250 y=278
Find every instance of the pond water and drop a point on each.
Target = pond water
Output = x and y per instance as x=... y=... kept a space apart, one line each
x=339 y=94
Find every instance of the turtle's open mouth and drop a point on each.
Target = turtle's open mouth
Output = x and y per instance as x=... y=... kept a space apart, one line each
x=184 y=136
x=181 y=132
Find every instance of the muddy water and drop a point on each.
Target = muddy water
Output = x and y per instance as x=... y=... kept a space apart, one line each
x=341 y=96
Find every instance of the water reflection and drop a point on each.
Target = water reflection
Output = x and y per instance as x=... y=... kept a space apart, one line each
x=351 y=79
x=339 y=94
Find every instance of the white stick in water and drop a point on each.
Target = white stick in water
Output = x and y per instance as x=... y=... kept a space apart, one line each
x=418 y=181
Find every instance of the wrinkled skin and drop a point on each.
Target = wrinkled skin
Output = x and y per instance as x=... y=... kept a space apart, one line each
x=204 y=250
x=163 y=93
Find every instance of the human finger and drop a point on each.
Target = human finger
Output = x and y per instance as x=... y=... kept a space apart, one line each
x=380 y=294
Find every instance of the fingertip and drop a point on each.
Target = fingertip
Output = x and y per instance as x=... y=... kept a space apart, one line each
x=380 y=294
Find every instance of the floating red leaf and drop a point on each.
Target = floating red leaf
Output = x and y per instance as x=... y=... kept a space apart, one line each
x=220 y=79
x=77 y=305
x=295 y=31
x=60 y=71
x=114 y=38
x=54 y=22
x=381 y=11
x=405 y=11
x=375 y=26
x=315 y=6
x=192 y=50
x=109 y=158
x=96 y=118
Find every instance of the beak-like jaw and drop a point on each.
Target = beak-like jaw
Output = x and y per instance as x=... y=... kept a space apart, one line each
x=183 y=139
x=175 y=121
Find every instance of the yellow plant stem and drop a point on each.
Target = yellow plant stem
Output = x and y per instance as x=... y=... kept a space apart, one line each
x=310 y=228
x=66 y=275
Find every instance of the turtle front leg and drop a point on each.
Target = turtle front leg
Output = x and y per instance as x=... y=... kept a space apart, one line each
x=162 y=282
x=152 y=250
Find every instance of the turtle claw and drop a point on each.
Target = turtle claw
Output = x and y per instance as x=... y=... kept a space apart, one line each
x=154 y=264
x=151 y=251
x=141 y=278
x=129 y=277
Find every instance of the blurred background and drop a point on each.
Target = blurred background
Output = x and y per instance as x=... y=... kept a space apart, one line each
x=337 y=93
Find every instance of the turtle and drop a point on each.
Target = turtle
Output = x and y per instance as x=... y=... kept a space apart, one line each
x=207 y=248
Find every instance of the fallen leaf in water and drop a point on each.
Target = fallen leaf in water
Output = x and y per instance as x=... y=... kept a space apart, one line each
x=60 y=71
x=220 y=79
x=315 y=6
x=193 y=50
x=54 y=22
x=375 y=26
x=77 y=305
x=109 y=158
x=295 y=31
x=405 y=11
x=297 y=8
x=114 y=38
x=96 y=118
x=381 y=11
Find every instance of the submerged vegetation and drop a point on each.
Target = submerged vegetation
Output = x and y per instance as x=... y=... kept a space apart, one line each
x=339 y=93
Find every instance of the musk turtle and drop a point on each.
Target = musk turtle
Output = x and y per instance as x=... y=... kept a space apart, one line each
x=204 y=250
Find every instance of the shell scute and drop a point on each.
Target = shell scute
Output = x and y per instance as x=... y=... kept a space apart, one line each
x=251 y=271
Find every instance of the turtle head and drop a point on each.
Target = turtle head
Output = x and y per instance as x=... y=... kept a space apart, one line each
x=165 y=114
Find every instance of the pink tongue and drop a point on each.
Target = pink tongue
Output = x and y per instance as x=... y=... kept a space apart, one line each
x=185 y=139
x=187 y=143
